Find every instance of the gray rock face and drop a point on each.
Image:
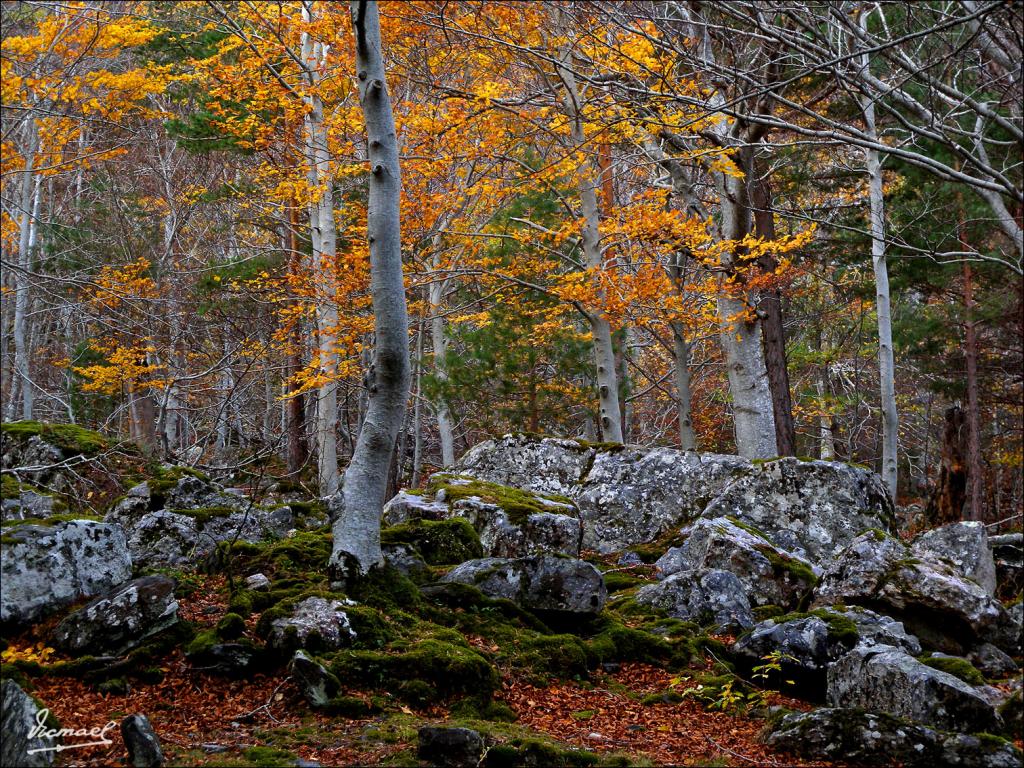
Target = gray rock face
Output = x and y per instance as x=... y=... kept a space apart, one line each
x=503 y=533
x=450 y=747
x=318 y=686
x=770 y=576
x=19 y=715
x=257 y=582
x=706 y=597
x=809 y=645
x=27 y=505
x=315 y=623
x=404 y=559
x=963 y=546
x=197 y=515
x=407 y=506
x=547 y=465
x=36 y=460
x=542 y=582
x=540 y=532
x=887 y=679
x=865 y=738
x=119 y=620
x=821 y=506
x=936 y=603
x=45 y=568
x=141 y=742
x=631 y=496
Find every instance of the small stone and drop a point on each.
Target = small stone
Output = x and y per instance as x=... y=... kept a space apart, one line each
x=318 y=686
x=142 y=743
x=258 y=582
x=214 y=749
x=629 y=559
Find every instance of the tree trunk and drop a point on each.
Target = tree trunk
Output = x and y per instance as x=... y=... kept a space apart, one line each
x=29 y=194
x=297 y=450
x=753 y=413
x=773 y=334
x=435 y=293
x=681 y=355
x=886 y=364
x=947 y=503
x=324 y=254
x=610 y=416
x=357 y=522
x=975 y=474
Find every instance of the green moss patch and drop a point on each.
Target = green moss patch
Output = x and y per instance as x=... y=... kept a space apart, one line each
x=441 y=542
x=959 y=668
x=515 y=503
x=70 y=438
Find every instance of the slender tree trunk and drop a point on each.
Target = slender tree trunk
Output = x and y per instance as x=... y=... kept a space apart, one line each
x=681 y=353
x=773 y=334
x=610 y=418
x=445 y=431
x=947 y=502
x=297 y=450
x=975 y=473
x=886 y=363
x=417 y=444
x=29 y=194
x=357 y=522
x=314 y=56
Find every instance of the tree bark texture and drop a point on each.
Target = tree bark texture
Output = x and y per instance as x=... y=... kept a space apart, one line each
x=947 y=502
x=357 y=524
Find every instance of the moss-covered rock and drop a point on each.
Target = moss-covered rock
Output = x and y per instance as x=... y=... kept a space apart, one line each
x=957 y=667
x=446 y=668
x=70 y=438
x=439 y=542
x=517 y=504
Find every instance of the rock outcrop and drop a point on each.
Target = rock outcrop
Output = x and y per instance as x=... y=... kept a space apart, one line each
x=19 y=718
x=938 y=604
x=708 y=597
x=120 y=619
x=47 y=567
x=887 y=679
x=856 y=737
x=542 y=583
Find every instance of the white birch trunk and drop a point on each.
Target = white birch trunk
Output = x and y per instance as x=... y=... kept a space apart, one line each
x=886 y=363
x=29 y=206
x=314 y=55
x=440 y=344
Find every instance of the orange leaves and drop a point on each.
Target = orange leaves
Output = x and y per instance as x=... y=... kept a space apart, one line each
x=124 y=367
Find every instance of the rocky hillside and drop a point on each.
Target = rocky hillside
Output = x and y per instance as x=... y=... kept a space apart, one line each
x=547 y=602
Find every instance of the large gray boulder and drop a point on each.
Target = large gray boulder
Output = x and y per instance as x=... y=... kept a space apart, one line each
x=119 y=620
x=315 y=623
x=808 y=644
x=45 y=568
x=856 y=737
x=543 y=465
x=632 y=496
x=20 y=717
x=542 y=582
x=818 y=507
x=943 y=608
x=406 y=506
x=771 y=576
x=887 y=679
x=963 y=546
x=708 y=597
x=36 y=461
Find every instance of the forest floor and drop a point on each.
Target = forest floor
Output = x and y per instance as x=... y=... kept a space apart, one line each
x=213 y=721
